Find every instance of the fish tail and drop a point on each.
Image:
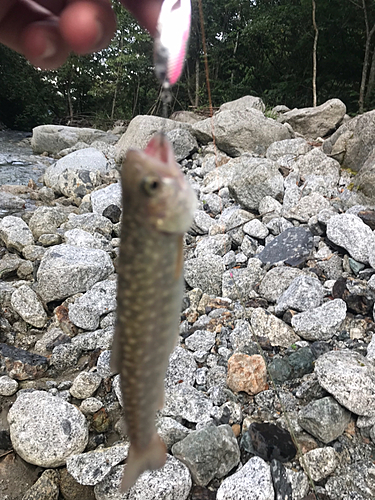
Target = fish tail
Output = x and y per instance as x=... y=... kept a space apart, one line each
x=153 y=457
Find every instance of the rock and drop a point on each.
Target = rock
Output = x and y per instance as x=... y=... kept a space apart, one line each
x=281 y=370
x=54 y=138
x=237 y=132
x=91 y=468
x=247 y=373
x=65 y=356
x=185 y=117
x=200 y=340
x=8 y=387
x=46 y=220
x=350 y=378
x=219 y=244
x=90 y=406
x=252 y=482
x=33 y=252
x=271 y=442
x=140 y=131
x=26 y=303
x=71 y=490
x=319 y=463
x=184 y=401
x=92 y=223
x=348 y=231
x=171 y=481
x=85 y=384
x=276 y=281
x=253 y=179
x=353 y=142
x=15 y=233
x=171 y=431
x=10 y=201
x=286 y=152
x=301 y=362
x=181 y=366
x=324 y=418
x=208 y=453
x=47 y=240
x=80 y=238
x=220 y=176
x=300 y=484
x=281 y=483
x=322 y=322
x=245 y=103
x=238 y=283
x=202 y=222
x=66 y=270
x=77 y=173
x=45 y=430
x=292 y=247
x=318 y=121
x=267 y=325
x=183 y=142
x=303 y=293
x=205 y=272
x=16 y=477
x=21 y=364
x=256 y=229
x=25 y=270
x=103 y=198
x=316 y=163
x=100 y=299
x=46 y=487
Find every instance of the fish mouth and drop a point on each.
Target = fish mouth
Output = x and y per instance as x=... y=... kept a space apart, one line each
x=160 y=148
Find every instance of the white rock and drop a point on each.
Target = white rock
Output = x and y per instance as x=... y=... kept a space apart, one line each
x=8 y=386
x=15 y=233
x=26 y=303
x=85 y=384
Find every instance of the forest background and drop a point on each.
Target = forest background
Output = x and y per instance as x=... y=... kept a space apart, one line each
x=255 y=47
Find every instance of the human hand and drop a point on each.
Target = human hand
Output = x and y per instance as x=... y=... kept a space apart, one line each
x=46 y=31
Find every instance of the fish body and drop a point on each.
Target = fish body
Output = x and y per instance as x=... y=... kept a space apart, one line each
x=158 y=206
x=172 y=35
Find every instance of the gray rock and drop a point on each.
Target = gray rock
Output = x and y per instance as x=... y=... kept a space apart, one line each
x=185 y=116
x=353 y=482
x=47 y=240
x=234 y=217
x=99 y=339
x=253 y=179
x=317 y=163
x=305 y=292
x=103 y=198
x=252 y=482
x=9 y=201
x=238 y=283
x=214 y=203
x=33 y=252
x=25 y=270
x=171 y=431
x=45 y=430
x=54 y=138
x=65 y=356
x=65 y=270
x=220 y=177
x=9 y=265
x=286 y=152
x=292 y=246
x=85 y=384
x=100 y=299
x=172 y=482
x=26 y=303
x=237 y=132
x=318 y=121
x=256 y=229
x=351 y=233
x=322 y=322
x=320 y=462
x=46 y=220
x=324 y=418
x=80 y=238
x=202 y=222
x=15 y=233
x=8 y=386
x=245 y=103
x=181 y=366
x=350 y=378
x=91 y=468
x=276 y=281
x=208 y=453
x=92 y=223
x=300 y=483
x=183 y=142
x=241 y=336
x=267 y=325
x=91 y=405
x=184 y=401
x=220 y=244
x=205 y=272
x=305 y=207
x=200 y=340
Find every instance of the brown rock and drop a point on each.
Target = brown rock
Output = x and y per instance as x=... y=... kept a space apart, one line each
x=247 y=373
x=16 y=476
x=22 y=365
x=46 y=488
x=71 y=490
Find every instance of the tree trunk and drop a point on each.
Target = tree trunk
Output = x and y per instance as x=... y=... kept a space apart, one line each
x=316 y=33
x=371 y=80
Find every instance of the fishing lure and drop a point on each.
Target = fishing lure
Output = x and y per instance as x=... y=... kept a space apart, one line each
x=171 y=40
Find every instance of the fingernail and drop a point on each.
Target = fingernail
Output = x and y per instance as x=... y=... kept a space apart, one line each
x=50 y=49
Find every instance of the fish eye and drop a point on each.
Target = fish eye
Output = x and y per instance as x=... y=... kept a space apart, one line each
x=150 y=185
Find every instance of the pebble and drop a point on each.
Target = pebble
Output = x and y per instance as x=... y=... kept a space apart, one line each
x=45 y=430
x=182 y=366
x=291 y=247
x=85 y=384
x=267 y=325
x=247 y=373
x=171 y=431
x=302 y=294
x=320 y=462
x=27 y=304
x=90 y=405
x=21 y=364
x=8 y=386
x=15 y=233
x=209 y=452
x=46 y=487
x=184 y=401
x=201 y=340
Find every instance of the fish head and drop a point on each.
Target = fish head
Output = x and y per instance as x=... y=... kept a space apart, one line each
x=155 y=191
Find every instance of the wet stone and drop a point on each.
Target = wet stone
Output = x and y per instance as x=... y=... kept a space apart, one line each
x=325 y=419
x=292 y=247
x=271 y=442
x=20 y=364
x=208 y=453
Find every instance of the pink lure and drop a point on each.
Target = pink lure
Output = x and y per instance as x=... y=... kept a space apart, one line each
x=173 y=30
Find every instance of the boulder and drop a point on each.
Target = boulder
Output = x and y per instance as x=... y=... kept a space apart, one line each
x=244 y=104
x=318 y=121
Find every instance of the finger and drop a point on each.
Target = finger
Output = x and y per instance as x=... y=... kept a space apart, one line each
x=87 y=26
x=146 y=11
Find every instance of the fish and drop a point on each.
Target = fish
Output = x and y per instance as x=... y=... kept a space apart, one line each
x=158 y=208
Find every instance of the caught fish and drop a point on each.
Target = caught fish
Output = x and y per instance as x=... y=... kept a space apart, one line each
x=172 y=35
x=158 y=206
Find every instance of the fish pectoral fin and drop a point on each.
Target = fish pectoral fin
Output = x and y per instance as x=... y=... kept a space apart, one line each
x=153 y=457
